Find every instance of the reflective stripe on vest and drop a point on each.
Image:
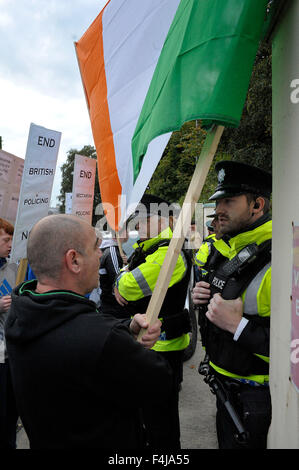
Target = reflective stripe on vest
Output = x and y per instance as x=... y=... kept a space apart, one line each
x=251 y=294
x=142 y=282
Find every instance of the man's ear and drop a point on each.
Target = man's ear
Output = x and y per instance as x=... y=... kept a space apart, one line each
x=258 y=206
x=72 y=261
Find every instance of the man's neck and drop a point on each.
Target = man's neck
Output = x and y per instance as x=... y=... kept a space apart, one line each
x=42 y=288
x=50 y=285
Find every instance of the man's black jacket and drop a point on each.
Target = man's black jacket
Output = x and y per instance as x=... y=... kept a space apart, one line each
x=79 y=376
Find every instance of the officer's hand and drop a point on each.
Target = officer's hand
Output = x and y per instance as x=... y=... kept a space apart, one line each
x=119 y=298
x=226 y=314
x=5 y=303
x=201 y=293
x=148 y=340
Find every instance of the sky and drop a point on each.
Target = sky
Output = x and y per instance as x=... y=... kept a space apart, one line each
x=40 y=81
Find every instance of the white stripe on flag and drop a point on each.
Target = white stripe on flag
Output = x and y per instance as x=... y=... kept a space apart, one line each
x=125 y=37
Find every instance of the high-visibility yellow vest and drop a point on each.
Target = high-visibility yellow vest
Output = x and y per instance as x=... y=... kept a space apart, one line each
x=141 y=281
x=257 y=296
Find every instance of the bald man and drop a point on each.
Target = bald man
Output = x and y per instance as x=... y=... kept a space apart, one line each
x=79 y=377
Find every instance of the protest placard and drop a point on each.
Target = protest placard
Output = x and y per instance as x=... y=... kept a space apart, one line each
x=83 y=187
x=295 y=310
x=11 y=170
x=37 y=182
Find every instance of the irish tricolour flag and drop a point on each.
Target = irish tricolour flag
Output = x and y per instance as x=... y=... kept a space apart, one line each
x=147 y=67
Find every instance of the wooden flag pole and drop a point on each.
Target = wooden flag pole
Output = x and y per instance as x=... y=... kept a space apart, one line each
x=119 y=244
x=198 y=179
x=22 y=268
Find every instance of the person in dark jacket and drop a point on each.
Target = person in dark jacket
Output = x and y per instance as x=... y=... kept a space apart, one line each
x=68 y=362
x=8 y=275
x=112 y=262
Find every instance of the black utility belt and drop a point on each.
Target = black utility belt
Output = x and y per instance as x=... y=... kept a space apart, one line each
x=245 y=383
x=236 y=384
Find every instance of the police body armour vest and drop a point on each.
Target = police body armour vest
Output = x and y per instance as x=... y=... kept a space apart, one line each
x=230 y=278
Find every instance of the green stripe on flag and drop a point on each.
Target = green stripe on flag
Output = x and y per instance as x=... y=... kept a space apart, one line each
x=203 y=71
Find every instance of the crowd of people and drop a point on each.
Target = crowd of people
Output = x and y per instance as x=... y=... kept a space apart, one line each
x=70 y=357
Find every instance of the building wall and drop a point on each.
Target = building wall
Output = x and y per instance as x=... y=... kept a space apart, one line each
x=284 y=431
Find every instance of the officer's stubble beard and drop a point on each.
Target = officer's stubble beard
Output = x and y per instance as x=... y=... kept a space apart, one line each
x=239 y=225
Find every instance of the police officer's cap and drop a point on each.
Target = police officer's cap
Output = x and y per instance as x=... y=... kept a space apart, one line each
x=235 y=178
x=209 y=225
x=154 y=205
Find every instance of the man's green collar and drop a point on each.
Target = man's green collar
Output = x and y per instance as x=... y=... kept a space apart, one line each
x=29 y=287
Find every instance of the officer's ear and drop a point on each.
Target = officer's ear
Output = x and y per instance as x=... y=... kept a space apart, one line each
x=258 y=205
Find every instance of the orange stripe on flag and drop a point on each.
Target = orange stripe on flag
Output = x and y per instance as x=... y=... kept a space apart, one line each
x=90 y=53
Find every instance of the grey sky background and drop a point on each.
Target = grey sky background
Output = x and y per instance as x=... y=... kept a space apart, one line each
x=39 y=76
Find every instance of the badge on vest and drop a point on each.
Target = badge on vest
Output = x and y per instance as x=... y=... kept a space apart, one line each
x=219 y=283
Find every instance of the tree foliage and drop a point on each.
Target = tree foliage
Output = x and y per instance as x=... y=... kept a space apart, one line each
x=172 y=176
x=251 y=142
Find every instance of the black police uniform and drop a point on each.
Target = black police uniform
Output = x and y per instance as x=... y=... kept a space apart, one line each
x=241 y=364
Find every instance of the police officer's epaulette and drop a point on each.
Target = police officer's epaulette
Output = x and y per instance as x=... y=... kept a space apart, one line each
x=139 y=255
x=209 y=240
x=165 y=242
x=157 y=245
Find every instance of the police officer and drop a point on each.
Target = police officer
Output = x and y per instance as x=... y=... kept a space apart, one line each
x=205 y=248
x=237 y=295
x=136 y=287
x=213 y=226
x=210 y=228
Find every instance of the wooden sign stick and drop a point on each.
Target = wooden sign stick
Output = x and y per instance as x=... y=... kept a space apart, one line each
x=198 y=179
x=119 y=244
x=22 y=268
